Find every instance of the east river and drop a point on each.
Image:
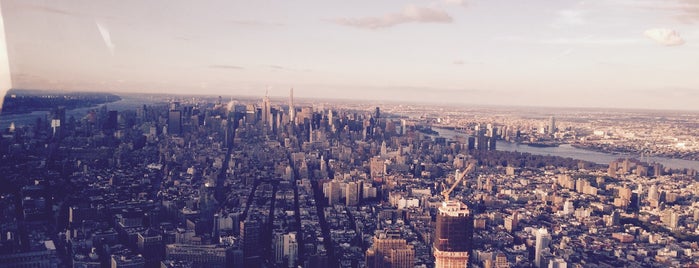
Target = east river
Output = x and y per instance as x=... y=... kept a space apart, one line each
x=566 y=150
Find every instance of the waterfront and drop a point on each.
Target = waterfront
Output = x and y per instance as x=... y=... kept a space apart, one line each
x=127 y=102
x=566 y=150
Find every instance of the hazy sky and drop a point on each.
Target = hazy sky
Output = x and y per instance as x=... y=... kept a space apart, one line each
x=606 y=53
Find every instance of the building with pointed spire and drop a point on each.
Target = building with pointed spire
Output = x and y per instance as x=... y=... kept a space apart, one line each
x=292 y=108
x=267 y=110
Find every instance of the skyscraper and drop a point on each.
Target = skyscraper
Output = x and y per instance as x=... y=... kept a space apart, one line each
x=292 y=108
x=552 y=125
x=111 y=123
x=453 y=236
x=174 y=122
x=267 y=111
x=543 y=238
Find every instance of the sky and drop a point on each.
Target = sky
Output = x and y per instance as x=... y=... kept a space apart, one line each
x=606 y=53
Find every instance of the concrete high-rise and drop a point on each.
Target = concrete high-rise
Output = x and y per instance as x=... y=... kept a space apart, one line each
x=552 y=125
x=250 y=232
x=453 y=236
x=352 y=193
x=174 y=122
x=390 y=250
x=543 y=238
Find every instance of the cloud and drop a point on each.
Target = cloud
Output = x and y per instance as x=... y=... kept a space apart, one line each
x=589 y=40
x=409 y=14
x=49 y=9
x=256 y=23
x=288 y=69
x=666 y=37
x=462 y=3
x=569 y=17
x=224 y=66
x=688 y=11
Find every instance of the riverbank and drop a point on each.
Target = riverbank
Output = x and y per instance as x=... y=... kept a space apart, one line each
x=567 y=150
x=598 y=148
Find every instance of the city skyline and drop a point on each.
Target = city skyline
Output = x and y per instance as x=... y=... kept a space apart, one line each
x=621 y=54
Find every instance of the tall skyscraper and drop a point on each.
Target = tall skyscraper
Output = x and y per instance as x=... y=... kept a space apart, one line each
x=292 y=108
x=543 y=238
x=267 y=111
x=111 y=123
x=552 y=125
x=453 y=236
x=174 y=122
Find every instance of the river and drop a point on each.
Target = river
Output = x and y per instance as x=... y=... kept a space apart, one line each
x=566 y=150
x=126 y=103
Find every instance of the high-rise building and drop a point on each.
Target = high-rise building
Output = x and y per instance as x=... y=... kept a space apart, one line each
x=611 y=171
x=278 y=246
x=543 y=238
x=111 y=123
x=352 y=193
x=390 y=250
x=334 y=193
x=453 y=236
x=552 y=125
x=291 y=249
x=377 y=167
x=150 y=244
x=250 y=232
x=267 y=111
x=292 y=108
x=501 y=261
x=174 y=122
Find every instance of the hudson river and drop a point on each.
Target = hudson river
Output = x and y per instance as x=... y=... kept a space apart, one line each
x=126 y=103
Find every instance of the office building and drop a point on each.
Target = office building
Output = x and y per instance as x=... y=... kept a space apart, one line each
x=200 y=255
x=552 y=125
x=390 y=250
x=174 y=122
x=352 y=193
x=543 y=238
x=267 y=112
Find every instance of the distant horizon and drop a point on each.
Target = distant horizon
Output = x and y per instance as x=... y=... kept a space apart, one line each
x=284 y=98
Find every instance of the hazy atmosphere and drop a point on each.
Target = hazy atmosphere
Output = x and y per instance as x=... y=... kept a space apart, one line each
x=617 y=53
